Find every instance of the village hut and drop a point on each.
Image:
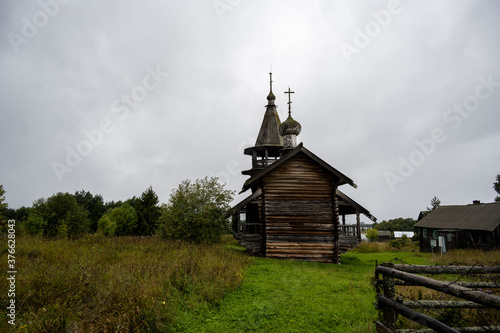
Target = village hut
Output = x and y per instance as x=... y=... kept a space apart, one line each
x=462 y=226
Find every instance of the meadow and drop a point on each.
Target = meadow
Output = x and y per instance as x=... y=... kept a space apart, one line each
x=145 y=284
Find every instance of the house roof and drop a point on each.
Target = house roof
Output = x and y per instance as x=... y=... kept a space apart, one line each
x=399 y=234
x=247 y=200
x=343 y=179
x=469 y=217
x=355 y=206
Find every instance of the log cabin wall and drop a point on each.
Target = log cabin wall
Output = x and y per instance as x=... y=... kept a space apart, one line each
x=300 y=214
x=252 y=236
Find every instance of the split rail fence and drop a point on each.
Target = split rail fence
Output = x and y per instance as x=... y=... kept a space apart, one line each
x=390 y=275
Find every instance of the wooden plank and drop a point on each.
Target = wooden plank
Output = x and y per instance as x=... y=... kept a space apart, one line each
x=300 y=238
x=430 y=269
x=444 y=287
x=381 y=328
x=429 y=304
x=460 y=329
x=416 y=316
x=468 y=284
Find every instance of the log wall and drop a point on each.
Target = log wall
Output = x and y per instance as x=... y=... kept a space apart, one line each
x=300 y=219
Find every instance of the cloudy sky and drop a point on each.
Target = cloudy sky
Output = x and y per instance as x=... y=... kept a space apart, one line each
x=115 y=96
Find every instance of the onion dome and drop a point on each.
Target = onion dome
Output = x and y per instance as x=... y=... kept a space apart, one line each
x=290 y=126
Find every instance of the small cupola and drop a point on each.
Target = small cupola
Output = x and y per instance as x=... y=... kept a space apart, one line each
x=290 y=128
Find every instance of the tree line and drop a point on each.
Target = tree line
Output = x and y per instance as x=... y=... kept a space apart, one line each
x=196 y=211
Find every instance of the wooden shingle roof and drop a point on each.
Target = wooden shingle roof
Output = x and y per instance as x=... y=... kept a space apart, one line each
x=469 y=217
x=353 y=205
x=343 y=179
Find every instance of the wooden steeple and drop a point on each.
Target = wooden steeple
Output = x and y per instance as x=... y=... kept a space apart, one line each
x=269 y=141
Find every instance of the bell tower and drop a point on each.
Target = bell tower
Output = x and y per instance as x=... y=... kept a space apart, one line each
x=269 y=141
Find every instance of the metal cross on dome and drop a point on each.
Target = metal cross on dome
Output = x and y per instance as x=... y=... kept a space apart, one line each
x=289 y=99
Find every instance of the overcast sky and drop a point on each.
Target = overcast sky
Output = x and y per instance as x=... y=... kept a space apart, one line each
x=115 y=96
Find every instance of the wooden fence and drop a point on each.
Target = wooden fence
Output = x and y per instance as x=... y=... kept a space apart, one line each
x=389 y=275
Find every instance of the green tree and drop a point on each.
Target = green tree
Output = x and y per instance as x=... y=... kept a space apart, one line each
x=148 y=212
x=106 y=226
x=399 y=224
x=2 y=199
x=3 y=211
x=94 y=204
x=22 y=214
x=59 y=215
x=120 y=221
x=372 y=235
x=496 y=187
x=196 y=212
x=113 y=204
x=435 y=203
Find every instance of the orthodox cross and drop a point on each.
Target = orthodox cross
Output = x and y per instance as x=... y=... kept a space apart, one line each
x=270 y=81
x=289 y=100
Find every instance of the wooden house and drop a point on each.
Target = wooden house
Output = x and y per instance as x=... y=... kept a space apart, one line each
x=467 y=226
x=294 y=207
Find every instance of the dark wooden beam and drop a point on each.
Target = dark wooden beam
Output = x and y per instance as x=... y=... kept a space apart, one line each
x=443 y=286
x=416 y=316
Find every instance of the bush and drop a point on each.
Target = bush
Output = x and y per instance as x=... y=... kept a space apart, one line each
x=59 y=215
x=35 y=225
x=196 y=212
x=119 y=221
x=106 y=226
x=372 y=235
x=395 y=244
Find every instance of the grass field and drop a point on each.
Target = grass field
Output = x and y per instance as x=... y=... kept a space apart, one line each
x=99 y=284
x=293 y=296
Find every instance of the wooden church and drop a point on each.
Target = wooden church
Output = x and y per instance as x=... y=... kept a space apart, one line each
x=295 y=206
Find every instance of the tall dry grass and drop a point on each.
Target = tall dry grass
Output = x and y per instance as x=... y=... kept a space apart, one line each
x=98 y=284
x=457 y=317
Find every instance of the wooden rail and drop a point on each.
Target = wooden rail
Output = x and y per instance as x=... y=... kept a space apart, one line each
x=392 y=306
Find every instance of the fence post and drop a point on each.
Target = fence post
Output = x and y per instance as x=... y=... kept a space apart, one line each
x=389 y=292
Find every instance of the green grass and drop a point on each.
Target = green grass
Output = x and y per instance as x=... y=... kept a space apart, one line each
x=98 y=284
x=294 y=296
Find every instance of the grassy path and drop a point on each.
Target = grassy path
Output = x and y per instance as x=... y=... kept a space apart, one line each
x=292 y=296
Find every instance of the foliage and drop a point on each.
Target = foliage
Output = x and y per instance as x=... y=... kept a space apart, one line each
x=435 y=203
x=59 y=215
x=114 y=204
x=196 y=212
x=94 y=204
x=399 y=224
x=372 y=235
x=391 y=246
x=106 y=226
x=496 y=187
x=125 y=284
x=2 y=204
x=22 y=213
x=120 y=221
x=148 y=212
x=2 y=197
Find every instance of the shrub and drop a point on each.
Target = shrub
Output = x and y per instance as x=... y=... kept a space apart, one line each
x=35 y=224
x=59 y=215
x=106 y=226
x=196 y=212
x=372 y=235
x=395 y=244
x=120 y=221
